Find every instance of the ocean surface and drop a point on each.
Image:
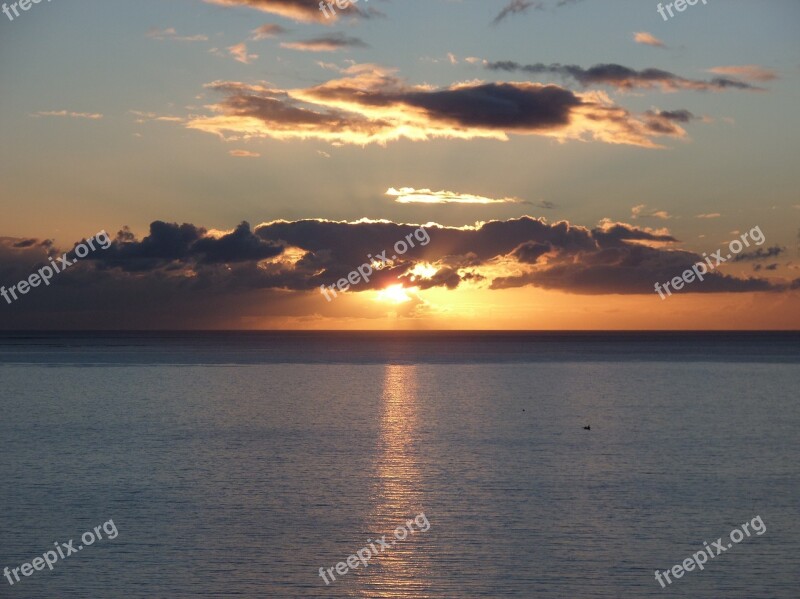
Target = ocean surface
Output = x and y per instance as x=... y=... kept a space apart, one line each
x=236 y=465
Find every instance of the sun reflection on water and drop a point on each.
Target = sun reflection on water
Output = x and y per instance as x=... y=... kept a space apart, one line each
x=399 y=572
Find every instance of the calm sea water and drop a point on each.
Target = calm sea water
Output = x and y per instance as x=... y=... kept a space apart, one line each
x=237 y=465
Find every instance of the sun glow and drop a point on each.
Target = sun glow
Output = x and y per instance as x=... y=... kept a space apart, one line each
x=423 y=270
x=397 y=294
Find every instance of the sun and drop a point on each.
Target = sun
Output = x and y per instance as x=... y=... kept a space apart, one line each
x=396 y=294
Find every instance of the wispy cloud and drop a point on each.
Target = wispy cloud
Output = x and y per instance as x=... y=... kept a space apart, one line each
x=243 y=154
x=622 y=77
x=267 y=30
x=751 y=72
x=302 y=11
x=409 y=195
x=171 y=34
x=330 y=43
x=640 y=211
x=239 y=52
x=760 y=254
x=709 y=215
x=75 y=115
x=516 y=7
x=648 y=39
x=143 y=117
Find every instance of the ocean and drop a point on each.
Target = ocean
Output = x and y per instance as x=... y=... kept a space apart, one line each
x=241 y=464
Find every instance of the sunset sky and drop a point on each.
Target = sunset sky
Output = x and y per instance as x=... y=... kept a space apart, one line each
x=564 y=156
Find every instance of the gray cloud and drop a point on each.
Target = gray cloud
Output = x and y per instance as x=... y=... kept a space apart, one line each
x=327 y=43
x=622 y=77
x=186 y=275
x=760 y=254
x=516 y=7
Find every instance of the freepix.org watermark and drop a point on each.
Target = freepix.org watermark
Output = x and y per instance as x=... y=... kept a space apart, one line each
x=23 y=5
x=44 y=274
x=63 y=551
x=363 y=555
x=699 y=270
x=342 y=4
x=364 y=272
x=680 y=6
x=717 y=547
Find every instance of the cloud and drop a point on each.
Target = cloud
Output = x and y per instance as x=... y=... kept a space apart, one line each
x=268 y=30
x=171 y=34
x=648 y=39
x=243 y=154
x=624 y=261
x=516 y=7
x=172 y=246
x=409 y=195
x=369 y=104
x=303 y=11
x=709 y=215
x=751 y=72
x=330 y=43
x=662 y=120
x=623 y=78
x=530 y=251
x=94 y=116
x=239 y=53
x=143 y=117
x=758 y=267
x=186 y=275
x=760 y=254
x=640 y=212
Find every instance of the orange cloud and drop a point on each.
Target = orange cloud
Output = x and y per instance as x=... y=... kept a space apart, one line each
x=239 y=52
x=640 y=212
x=303 y=11
x=642 y=37
x=243 y=154
x=369 y=104
x=749 y=71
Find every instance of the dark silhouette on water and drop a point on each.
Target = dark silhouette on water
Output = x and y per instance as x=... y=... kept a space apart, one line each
x=587 y=428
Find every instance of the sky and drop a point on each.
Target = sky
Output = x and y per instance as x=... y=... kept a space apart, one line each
x=563 y=157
